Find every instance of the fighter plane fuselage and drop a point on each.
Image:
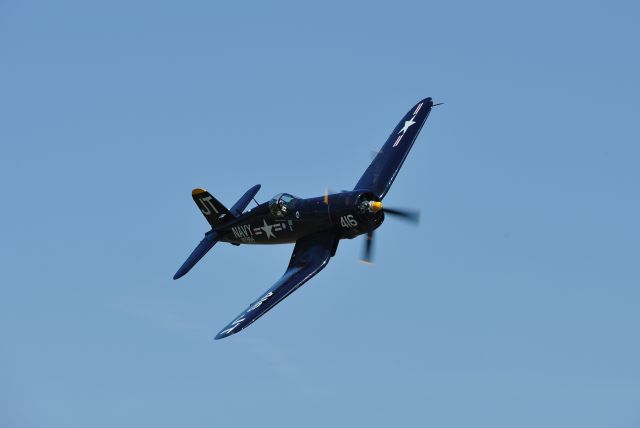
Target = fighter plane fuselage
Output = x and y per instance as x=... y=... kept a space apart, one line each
x=271 y=223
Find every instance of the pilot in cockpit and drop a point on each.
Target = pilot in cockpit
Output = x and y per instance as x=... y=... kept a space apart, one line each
x=280 y=205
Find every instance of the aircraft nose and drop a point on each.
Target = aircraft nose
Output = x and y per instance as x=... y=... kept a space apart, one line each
x=376 y=206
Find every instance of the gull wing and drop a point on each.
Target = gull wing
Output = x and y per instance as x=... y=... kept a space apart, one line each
x=385 y=166
x=310 y=255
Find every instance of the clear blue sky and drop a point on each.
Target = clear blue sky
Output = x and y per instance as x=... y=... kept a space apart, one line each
x=515 y=303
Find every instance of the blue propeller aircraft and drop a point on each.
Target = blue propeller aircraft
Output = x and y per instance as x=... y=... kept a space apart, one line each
x=316 y=225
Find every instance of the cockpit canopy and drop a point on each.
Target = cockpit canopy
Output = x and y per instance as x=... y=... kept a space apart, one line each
x=281 y=205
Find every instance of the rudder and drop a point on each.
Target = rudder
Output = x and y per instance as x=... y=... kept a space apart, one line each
x=211 y=208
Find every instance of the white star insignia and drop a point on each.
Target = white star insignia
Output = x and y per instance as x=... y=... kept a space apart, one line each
x=233 y=326
x=407 y=124
x=267 y=229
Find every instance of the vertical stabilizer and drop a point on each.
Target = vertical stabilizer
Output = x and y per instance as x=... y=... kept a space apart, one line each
x=211 y=208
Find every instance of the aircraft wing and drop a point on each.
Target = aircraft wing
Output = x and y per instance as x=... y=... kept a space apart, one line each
x=385 y=166
x=310 y=255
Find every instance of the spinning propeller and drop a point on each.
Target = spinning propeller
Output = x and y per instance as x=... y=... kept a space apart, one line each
x=411 y=216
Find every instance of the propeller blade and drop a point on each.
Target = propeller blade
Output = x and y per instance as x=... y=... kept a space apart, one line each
x=329 y=191
x=409 y=215
x=367 y=250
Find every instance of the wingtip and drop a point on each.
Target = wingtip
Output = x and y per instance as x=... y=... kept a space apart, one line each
x=181 y=272
x=222 y=335
x=430 y=102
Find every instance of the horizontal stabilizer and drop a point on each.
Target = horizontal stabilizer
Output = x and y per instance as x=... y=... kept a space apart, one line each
x=210 y=239
x=242 y=203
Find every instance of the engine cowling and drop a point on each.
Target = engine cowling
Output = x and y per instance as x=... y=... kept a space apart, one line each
x=355 y=213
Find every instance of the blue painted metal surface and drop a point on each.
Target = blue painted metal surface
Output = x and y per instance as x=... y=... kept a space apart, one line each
x=316 y=225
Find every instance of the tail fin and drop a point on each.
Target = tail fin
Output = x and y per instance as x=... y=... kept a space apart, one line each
x=211 y=208
x=216 y=214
